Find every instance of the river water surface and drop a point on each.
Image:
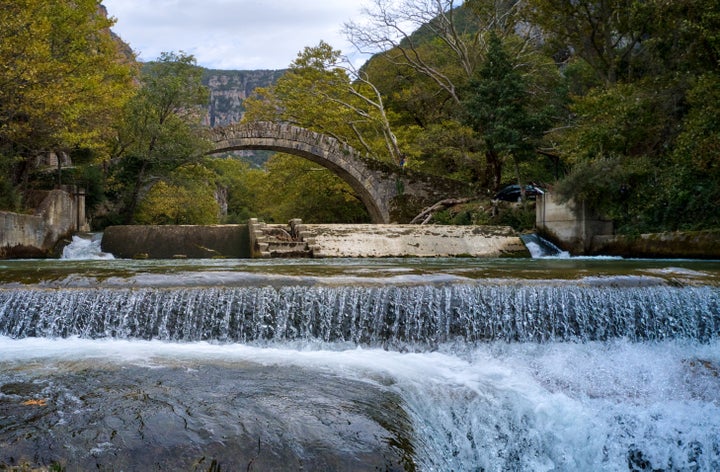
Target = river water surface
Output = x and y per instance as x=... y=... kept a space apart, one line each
x=384 y=364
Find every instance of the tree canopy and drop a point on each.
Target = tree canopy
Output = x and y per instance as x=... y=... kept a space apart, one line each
x=63 y=82
x=160 y=129
x=609 y=102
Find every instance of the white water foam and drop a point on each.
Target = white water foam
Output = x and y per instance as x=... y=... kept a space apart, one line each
x=540 y=248
x=495 y=406
x=85 y=247
x=537 y=252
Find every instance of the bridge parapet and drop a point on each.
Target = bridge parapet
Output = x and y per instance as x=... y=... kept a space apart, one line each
x=229 y=135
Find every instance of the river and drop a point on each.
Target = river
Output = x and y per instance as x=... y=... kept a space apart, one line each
x=558 y=364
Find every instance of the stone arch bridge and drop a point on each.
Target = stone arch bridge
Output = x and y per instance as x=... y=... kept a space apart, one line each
x=390 y=193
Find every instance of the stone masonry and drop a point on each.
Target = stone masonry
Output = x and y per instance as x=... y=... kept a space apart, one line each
x=391 y=193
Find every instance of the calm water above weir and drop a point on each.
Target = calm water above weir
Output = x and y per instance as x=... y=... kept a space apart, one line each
x=390 y=364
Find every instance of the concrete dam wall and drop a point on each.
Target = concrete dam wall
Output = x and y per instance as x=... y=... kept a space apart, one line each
x=59 y=214
x=260 y=240
x=413 y=241
x=184 y=241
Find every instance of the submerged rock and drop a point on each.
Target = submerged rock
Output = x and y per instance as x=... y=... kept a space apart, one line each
x=189 y=416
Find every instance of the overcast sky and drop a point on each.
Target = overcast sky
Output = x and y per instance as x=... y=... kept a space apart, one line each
x=232 y=34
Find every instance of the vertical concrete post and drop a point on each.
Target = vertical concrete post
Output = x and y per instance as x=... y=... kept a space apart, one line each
x=79 y=203
x=569 y=225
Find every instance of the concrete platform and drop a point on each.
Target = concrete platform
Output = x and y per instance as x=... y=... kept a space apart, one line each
x=331 y=240
x=412 y=241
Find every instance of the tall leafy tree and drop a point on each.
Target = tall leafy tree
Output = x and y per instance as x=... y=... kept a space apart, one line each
x=402 y=30
x=160 y=129
x=63 y=80
x=497 y=106
x=433 y=50
x=321 y=91
x=606 y=34
x=641 y=142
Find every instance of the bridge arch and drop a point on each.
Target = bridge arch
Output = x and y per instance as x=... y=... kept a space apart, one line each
x=380 y=186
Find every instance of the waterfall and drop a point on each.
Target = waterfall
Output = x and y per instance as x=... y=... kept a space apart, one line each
x=398 y=317
x=541 y=247
x=549 y=364
x=84 y=247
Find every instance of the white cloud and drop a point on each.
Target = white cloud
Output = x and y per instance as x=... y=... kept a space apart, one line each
x=232 y=34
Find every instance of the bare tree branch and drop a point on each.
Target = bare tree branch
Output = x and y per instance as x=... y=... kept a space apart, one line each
x=426 y=215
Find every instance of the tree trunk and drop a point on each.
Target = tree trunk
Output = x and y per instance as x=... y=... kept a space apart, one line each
x=493 y=170
x=132 y=204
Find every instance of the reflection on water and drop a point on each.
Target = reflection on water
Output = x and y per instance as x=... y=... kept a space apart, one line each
x=384 y=364
x=204 y=272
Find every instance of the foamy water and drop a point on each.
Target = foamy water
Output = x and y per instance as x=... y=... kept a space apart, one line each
x=524 y=365
x=85 y=247
x=557 y=406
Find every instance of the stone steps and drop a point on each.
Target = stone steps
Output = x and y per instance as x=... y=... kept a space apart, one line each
x=278 y=241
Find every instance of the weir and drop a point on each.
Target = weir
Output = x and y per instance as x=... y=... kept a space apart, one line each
x=260 y=240
x=397 y=317
x=361 y=364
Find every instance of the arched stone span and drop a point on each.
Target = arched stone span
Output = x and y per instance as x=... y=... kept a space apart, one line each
x=390 y=193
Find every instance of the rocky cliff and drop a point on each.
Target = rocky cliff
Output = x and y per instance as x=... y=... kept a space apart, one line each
x=229 y=89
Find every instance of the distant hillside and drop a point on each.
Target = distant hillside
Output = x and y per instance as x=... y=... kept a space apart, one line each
x=228 y=90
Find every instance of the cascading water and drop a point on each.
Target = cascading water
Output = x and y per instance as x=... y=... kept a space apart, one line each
x=396 y=317
x=541 y=247
x=85 y=247
x=437 y=365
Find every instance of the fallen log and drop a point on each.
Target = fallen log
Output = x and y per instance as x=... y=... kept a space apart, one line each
x=426 y=215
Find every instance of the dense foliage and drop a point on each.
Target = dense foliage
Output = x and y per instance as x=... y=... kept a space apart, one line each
x=640 y=144
x=63 y=81
x=160 y=129
x=601 y=100
x=611 y=102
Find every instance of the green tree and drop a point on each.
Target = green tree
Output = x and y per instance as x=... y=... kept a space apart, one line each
x=187 y=196
x=448 y=148
x=160 y=129
x=454 y=29
x=641 y=142
x=425 y=77
x=497 y=107
x=690 y=186
x=236 y=188
x=62 y=83
x=318 y=93
x=296 y=188
x=606 y=34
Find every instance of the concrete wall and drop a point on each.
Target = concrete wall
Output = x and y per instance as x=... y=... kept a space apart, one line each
x=234 y=241
x=576 y=230
x=412 y=241
x=686 y=245
x=569 y=225
x=60 y=214
x=167 y=242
